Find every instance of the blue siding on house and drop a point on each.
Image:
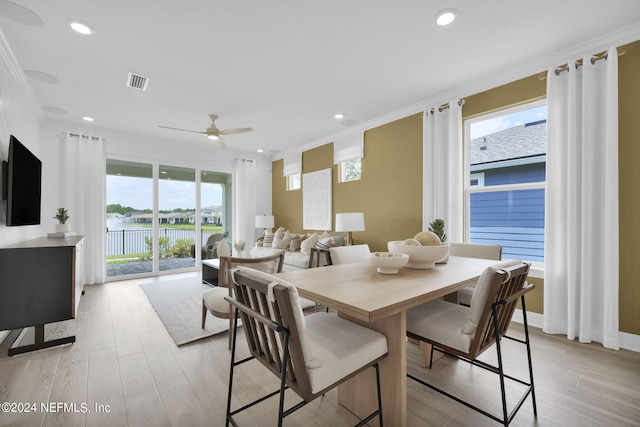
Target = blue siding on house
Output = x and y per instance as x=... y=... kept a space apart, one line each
x=534 y=172
x=513 y=219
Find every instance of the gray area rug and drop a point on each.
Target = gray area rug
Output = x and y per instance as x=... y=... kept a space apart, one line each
x=179 y=306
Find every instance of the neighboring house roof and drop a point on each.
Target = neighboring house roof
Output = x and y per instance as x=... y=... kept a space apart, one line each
x=518 y=142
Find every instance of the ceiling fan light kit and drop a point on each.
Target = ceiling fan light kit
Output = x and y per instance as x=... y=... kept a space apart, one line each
x=212 y=132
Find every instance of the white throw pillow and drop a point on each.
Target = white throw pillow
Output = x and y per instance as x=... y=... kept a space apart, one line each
x=268 y=239
x=307 y=244
x=282 y=242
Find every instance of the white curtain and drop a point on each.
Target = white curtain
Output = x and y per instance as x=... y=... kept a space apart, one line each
x=245 y=195
x=443 y=166
x=581 y=230
x=82 y=192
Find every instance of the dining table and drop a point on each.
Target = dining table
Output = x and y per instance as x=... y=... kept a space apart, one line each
x=357 y=292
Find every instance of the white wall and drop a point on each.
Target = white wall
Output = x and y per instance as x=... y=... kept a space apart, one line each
x=19 y=116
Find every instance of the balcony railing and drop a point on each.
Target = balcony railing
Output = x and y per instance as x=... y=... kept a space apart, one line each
x=132 y=241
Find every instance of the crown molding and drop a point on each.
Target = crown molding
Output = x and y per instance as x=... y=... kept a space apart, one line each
x=15 y=71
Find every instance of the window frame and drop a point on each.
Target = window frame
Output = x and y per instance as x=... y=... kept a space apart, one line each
x=291 y=181
x=342 y=174
x=537 y=267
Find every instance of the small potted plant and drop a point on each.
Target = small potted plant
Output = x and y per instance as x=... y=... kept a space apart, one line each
x=437 y=227
x=62 y=216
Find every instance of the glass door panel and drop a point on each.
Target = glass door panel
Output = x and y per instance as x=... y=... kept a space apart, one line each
x=176 y=217
x=129 y=218
x=215 y=213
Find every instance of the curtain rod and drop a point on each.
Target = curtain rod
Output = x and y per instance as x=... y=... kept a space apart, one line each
x=446 y=106
x=594 y=58
x=83 y=136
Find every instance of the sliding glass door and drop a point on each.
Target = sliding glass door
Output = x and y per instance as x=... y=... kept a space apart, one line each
x=159 y=216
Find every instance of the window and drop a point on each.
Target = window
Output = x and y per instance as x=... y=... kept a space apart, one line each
x=293 y=182
x=350 y=170
x=505 y=185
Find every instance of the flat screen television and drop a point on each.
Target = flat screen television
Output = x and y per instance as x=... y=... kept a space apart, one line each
x=22 y=181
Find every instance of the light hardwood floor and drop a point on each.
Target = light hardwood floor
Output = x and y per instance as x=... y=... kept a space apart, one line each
x=125 y=362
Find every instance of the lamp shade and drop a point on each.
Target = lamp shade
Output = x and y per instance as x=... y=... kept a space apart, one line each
x=264 y=221
x=352 y=221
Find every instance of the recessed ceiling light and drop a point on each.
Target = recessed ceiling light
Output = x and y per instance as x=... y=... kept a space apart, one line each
x=41 y=77
x=339 y=116
x=19 y=14
x=54 y=110
x=446 y=17
x=81 y=28
x=88 y=119
x=260 y=150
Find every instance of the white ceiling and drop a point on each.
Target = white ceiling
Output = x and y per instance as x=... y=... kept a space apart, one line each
x=285 y=67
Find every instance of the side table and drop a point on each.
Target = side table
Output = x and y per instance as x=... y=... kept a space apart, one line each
x=210 y=270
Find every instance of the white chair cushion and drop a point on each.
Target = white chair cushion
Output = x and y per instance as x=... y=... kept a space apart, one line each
x=480 y=294
x=214 y=299
x=440 y=321
x=349 y=254
x=341 y=347
x=307 y=352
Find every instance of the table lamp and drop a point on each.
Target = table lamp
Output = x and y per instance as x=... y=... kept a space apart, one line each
x=264 y=222
x=351 y=221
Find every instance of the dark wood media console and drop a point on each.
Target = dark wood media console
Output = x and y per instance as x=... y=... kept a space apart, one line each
x=40 y=283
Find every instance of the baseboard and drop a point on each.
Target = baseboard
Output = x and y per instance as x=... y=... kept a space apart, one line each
x=627 y=341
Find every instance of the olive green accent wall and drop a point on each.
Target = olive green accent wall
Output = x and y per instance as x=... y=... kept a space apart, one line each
x=629 y=182
x=390 y=192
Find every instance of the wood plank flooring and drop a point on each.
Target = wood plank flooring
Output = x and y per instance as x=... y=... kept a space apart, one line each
x=127 y=370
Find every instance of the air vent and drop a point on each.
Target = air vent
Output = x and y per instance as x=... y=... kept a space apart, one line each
x=137 y=81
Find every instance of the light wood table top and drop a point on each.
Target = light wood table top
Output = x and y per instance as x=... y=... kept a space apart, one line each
x=359 y=293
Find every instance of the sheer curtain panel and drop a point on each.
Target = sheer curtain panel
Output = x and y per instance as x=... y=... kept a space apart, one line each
x=443 y=169
x=581 y=224
x=82 y=192
x=245 y=195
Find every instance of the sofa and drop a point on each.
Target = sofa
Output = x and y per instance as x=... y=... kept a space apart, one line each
x=295 y=246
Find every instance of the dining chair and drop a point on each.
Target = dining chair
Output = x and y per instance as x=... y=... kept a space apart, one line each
x=349 y=254
x=319 y=257
x=213 y=299
x=472 y=250
x=467 y=332
x=310 y=354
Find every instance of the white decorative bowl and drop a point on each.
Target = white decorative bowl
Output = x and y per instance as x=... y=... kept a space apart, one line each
x=388 y=263
x=420 y=257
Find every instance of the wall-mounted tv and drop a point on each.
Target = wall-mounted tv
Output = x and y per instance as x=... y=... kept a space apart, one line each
x=22 y=183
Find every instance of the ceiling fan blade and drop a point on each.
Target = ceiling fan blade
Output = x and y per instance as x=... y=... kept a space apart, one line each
x=184 y=130
x=234 y=131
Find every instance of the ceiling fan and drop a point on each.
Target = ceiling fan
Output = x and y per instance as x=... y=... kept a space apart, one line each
x=213 y=132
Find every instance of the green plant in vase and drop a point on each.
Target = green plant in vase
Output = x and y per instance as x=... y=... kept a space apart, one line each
x=62 y=216
x=437 y=227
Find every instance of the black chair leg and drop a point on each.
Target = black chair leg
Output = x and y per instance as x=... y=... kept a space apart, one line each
x=233 y=358
x=527 y=342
